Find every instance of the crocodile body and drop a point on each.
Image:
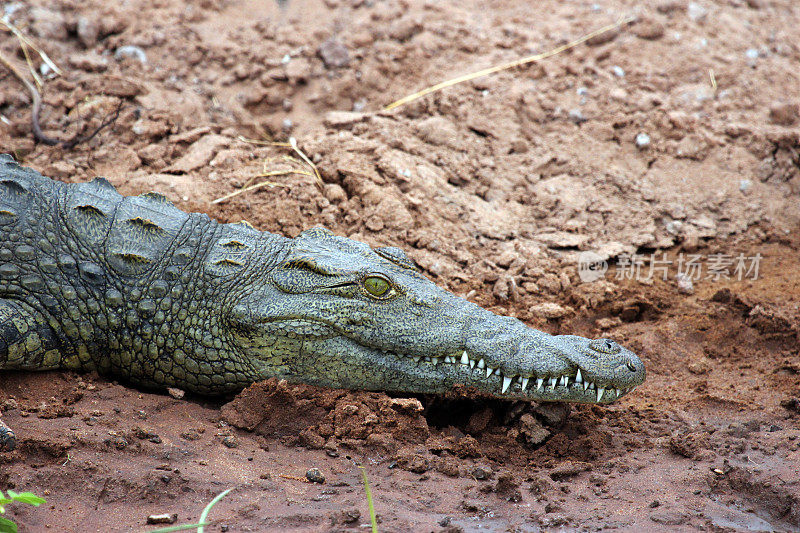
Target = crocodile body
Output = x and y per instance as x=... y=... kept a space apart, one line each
x=135 y=288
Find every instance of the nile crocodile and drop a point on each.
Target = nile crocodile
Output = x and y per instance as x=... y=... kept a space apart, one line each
x=135 y=288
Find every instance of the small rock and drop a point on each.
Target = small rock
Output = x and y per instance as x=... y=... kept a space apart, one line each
x=342 y=119
x=165 y=518
x=447 y=466
x=751 y=53
x=691 y=147
x=199 y=154
x=603 y=38
x=481 y=472
x=230 y=441
x=315 y=475
x=649 y=29
x=350 y=516
x=685 y=285
x=298 y=70
x=569 y=469
x=745 y=186
x=333 y=54
x=784 y=114
x=618 y=71
x=508 y=487
x=554 y=414
x=334 y=193
x=406 y=405
x=550 y=310
x=642 y=140
x=191 y=434
x=405 y=28
x=129 y=51
x=576 y=116
x=87 y=31
x=532 y=431
x=696 y=12
x=48 y=24
x=438 y=131
x=89 y=62
x=176 y=393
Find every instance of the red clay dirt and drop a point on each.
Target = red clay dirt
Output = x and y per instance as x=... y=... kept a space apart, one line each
x=678 y=133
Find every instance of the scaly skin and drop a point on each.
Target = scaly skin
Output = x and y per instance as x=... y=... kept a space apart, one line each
x=135 y=288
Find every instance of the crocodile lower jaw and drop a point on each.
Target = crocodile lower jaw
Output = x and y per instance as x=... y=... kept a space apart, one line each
x=572 y=387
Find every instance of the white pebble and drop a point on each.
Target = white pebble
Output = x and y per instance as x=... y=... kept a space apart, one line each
x=696 y=12
x=130 y=51
x=618 y=71
x=576 y=116
x=745 y=186
x=642 y=140
x=685 y=285
x=751 y=53
x=674 y=227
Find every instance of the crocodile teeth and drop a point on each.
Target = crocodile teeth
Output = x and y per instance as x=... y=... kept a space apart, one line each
x=472 y=363
x=489 y=371
x=600 y=391
x=539 y=383
x=586 y=385
x=464 y=358
x=565 y=381
x=553 y=382
x=524 y=383
x=506 y=384
x=578 y=377
x=416 y=358
x=481 y=364
x=617 y=392
x=448 y=359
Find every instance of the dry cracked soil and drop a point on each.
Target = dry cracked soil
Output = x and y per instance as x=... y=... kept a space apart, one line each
x=670 y=148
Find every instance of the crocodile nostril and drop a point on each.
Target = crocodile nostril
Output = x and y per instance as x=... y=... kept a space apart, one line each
x=631 y=367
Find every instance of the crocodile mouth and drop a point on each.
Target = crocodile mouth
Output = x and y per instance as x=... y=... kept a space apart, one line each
x=561 y=378
x=573 y=385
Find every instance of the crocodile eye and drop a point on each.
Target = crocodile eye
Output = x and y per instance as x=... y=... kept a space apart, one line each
x=376 y=286
x=605 y=346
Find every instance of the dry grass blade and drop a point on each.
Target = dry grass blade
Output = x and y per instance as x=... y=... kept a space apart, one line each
x=25 y=41
x=293 y=144
x=249 y=188
x=292 y=162
x=506 y=66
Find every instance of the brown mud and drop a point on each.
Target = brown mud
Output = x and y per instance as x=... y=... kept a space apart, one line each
x=678 y=133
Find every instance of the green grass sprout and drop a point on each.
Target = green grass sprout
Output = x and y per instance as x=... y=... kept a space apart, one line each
x=203 y=517
x=6 y=525
x=373 y=519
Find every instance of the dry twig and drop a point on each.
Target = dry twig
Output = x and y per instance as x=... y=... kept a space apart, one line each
x=506 y=66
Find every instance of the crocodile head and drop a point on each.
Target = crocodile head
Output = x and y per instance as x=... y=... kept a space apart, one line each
x=340 y=314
